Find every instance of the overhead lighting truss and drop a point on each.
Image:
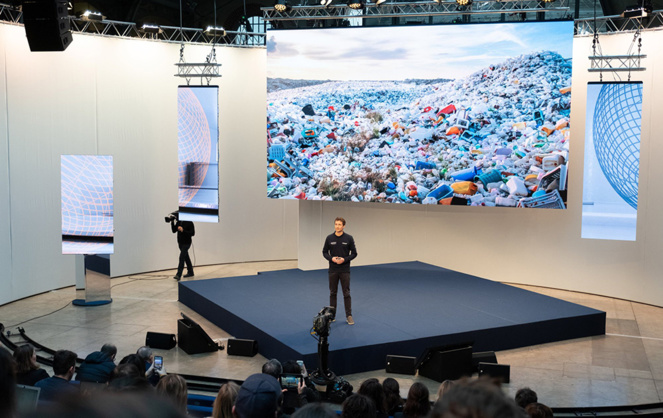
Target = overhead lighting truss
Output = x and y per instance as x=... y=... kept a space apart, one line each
x=558 y=9
x=616 y=24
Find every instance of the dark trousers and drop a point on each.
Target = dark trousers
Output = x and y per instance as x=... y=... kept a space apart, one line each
x=184 y=258
x=344 y=278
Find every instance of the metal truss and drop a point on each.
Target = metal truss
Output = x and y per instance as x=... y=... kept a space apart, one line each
x=10 y=14
x=206 y=71
x=557 y=9
x=616 y=24
x=615 y=63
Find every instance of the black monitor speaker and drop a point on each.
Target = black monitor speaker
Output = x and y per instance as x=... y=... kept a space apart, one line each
x=160 y=340
x=47 y=24
x=401 y=365
x=483 y=357
x=192 y=338
x=501 y=372
x=443 y=363
x=238 y=347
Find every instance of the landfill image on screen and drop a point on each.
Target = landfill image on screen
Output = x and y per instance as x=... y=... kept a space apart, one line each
x=456 y=114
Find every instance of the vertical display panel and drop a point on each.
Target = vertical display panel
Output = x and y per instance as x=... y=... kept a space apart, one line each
x=455 y=114
x=87 y=204
x=612 y=161
x=198 y=153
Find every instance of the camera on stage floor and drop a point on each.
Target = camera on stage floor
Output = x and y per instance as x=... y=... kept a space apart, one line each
x=338 y=390
x=173 y=216
x=322 y=321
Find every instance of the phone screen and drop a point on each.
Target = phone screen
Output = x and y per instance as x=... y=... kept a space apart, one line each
x=158 y=362
x=290 y=381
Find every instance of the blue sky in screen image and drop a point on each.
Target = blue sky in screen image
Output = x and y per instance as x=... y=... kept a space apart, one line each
x=398 y=53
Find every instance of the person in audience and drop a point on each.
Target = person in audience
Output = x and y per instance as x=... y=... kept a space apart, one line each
x=28 y=371
x=136 y=361
x=128 y=377
x=358 y=406
x=417 y=403
x=305 y=393
x=525 y=396
x=174 y=387
x=315 y=410
x=273 y=368
x=476 y=398
x=64 y=364
x=444 y=388
x=225 y=399
x=372 y=389
x=98 y=365
x=538 y=410
x=392 y=393
x=7 y=384
x=151 y=373
x=258 y=397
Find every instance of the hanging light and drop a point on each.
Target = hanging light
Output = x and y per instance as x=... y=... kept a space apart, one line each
x=379 y=2
x=215 y=31
x=147 y=28
x=356 y=4
x=463 y=2
x=326 y=3
x=281 y=6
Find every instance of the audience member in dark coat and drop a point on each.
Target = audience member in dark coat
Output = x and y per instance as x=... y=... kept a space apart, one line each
x=27 y=370
x=98 y=365
x=53 y=388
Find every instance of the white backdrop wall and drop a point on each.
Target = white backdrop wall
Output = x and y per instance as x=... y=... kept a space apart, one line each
x=538 y=247
x=119 y=97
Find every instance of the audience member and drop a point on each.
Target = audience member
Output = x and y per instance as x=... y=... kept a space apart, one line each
x=28 y=371
x=444 y=388
x=417 y=403
x=392 y=393
x=304 y=393
x=7 y=384
x=173 y=387
x=151 y=373
x=315 y=410
x=358 y=406
x=64 y=364
x=98 y=365
x=136 y=361
x=225 y=399
x=273 y=368
x=477 y=398
x=258 y=397
x=128 y=378
x=372 y=389
x=525 y=396
x=538 y=410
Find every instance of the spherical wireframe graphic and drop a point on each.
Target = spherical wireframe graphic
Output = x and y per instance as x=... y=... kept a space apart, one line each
x=194 y=144
x=87 y=195
x=617 y=118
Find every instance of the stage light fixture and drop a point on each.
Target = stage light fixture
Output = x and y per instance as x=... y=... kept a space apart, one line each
x=379 y=2
x=89 y=15
x=147 y=28
x=326 y=3
x=281 y=6
x=356 y=4
x=463 y=2
x=215 y=31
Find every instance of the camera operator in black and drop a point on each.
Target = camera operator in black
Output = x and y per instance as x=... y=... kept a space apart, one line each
x=339 y=250
x=185 y=230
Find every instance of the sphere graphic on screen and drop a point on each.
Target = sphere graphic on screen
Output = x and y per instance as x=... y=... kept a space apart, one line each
x=87 y=195
x=617 y=117
x=193 y=145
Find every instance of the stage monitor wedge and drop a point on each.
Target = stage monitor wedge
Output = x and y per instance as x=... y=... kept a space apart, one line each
x=192 y=338
x=441 y=365
x=47 y=25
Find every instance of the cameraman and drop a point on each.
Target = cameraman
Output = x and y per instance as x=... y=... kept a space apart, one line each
x=185 y=230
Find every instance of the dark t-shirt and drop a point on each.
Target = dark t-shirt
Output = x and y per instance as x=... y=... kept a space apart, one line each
x=339 y=246
x=184 y=238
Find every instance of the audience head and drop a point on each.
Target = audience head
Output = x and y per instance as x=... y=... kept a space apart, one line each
x=64 y=364
x=225 y=399
x=538 y=410
x=145 y=354
x=273 y=368
x=444 y=388
x=372 y=389
x=358 y=406
x=477 y=398
x=173 y=387
x=417 y=403
x=258 y=397
x=292 y=367
x=525 y=396
x=392 y=394
x=128 y=378
x=315 y=410
x=135 y=360
x=26 y=358
x=110 y=350
x=7 y=384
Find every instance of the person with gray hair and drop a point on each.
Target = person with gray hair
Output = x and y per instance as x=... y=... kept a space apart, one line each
x=273 y=368
x=146 y=355
x=98 y=366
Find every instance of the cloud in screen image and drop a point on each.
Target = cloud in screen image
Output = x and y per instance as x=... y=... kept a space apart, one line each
x=612 y=161
x=87 y=204
x=198 y=155
x=454 y=114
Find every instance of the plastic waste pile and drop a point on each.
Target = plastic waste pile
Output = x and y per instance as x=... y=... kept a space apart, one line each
x=498 y=137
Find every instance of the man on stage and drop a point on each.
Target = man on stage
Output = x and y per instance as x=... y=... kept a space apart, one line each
x=185 y=230
x=339 y=250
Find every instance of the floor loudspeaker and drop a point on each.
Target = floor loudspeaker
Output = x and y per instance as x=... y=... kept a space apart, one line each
x=192 y=338
x=483 y=357
x=159 y=340
x=401 y=365
x=444 y=365
x=247 y=348
x=496 y=371
x=47 y=25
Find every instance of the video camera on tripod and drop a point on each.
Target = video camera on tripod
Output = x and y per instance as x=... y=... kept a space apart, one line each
x=322 y=321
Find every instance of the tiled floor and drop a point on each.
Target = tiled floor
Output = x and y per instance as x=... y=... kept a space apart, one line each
x=623 y=367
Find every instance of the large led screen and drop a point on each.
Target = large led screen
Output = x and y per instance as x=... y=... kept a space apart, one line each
x=456 y=114
x=87 y=204
x=198 y=153
x=612 y=161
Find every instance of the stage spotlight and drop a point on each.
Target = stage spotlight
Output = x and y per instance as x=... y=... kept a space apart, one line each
x=379 y=2
x=147 y=28
x=281 y=6
x=463 y=2
x=356 y=4
x=326 y=3
x=89 y=15
x=215 y=31
x=547 y=1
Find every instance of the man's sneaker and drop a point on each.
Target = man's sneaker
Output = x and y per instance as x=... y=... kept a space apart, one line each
x=177 y=277
x=188 y=275
x=350 y=320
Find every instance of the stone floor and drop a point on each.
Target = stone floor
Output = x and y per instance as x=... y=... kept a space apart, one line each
x=623 y=367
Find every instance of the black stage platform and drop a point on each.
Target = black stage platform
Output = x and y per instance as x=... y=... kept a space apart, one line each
x=399 y=309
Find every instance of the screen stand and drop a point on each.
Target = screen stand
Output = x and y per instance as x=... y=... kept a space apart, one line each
x=97 y=280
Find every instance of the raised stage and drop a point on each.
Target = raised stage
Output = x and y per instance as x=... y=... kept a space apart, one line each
x=399 y=309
